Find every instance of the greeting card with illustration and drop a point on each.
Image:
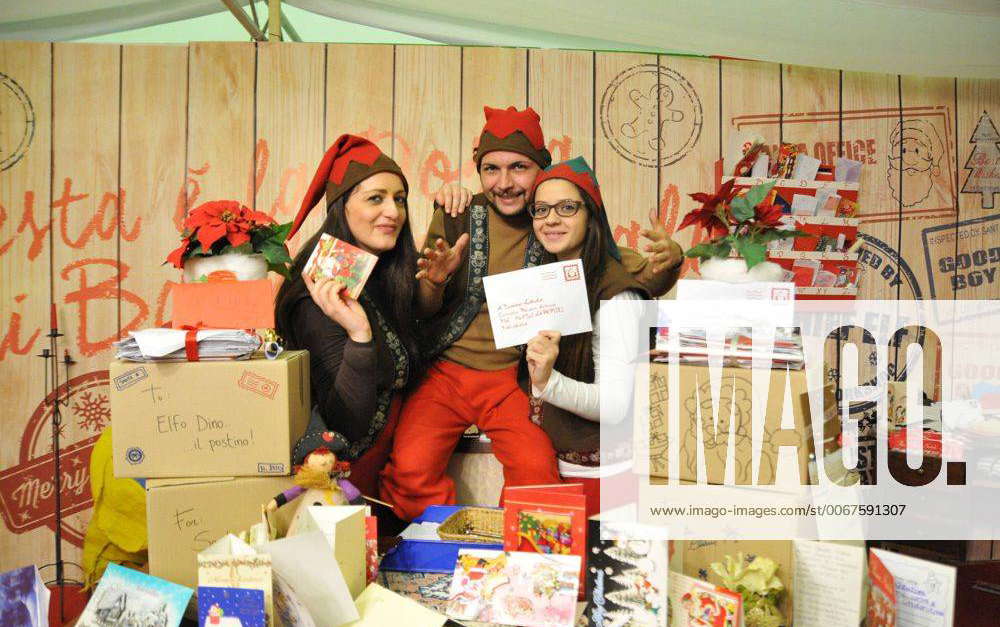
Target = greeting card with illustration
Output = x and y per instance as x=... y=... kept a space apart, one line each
x=696 y=603
x=230 y=607
x=129 y=597
x=881 y=595
x=549 y=519
x=24 y=599
x=627 y=570
x=338 y=260
x=529 y=589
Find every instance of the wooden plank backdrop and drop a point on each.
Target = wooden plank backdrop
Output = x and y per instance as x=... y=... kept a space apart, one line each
x=103 y=149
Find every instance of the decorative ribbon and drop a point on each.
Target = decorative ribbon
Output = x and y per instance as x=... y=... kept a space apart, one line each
x=191 y=340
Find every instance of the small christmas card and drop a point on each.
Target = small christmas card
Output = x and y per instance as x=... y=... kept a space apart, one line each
x=338 y=260
x=24 y=599
x=627 y=574
x=126 y=596
x=698 y=603
x=881 y=595
x=529 y=589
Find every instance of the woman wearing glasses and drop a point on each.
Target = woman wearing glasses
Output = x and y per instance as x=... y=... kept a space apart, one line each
x=561 y=374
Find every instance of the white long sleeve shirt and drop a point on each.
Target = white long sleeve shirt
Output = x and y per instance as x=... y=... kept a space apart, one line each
x=584 y=399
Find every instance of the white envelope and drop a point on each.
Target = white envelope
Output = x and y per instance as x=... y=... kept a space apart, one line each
x=306 y=565
x=552 y=297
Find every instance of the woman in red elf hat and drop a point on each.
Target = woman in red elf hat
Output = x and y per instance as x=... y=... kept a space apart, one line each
x=561 y=373
x=362 y=352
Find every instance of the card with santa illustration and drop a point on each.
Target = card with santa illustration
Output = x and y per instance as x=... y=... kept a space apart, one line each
x=696 y=603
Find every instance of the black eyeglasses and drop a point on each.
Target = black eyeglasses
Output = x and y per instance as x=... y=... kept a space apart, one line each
x=564 y=208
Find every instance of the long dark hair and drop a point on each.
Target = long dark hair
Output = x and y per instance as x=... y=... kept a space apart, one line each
x=391 y=285
x=594 y=252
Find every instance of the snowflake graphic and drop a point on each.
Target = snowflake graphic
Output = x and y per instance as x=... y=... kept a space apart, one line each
x=93 y=411
x=873 y=358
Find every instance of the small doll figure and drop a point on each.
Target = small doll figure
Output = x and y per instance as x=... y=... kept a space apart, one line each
x=323 y=476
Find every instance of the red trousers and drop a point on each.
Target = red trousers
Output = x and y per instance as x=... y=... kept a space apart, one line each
x=446 y=403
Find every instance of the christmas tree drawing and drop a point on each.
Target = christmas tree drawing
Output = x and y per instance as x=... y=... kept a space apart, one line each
x=984 y=162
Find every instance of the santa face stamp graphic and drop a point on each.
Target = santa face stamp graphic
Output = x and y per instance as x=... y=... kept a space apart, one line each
x=916 y=150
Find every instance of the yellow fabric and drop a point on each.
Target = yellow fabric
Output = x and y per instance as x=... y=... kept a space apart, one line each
x=117 y=530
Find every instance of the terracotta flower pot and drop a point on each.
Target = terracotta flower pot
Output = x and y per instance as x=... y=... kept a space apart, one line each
x=227 y=267
x=734 y=270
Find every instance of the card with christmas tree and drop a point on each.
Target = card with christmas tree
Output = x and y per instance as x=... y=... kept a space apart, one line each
x=627 y=569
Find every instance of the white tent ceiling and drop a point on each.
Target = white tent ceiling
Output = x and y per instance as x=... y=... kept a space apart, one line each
x=923 y=37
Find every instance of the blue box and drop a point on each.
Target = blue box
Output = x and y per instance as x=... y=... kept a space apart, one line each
x=430 y=556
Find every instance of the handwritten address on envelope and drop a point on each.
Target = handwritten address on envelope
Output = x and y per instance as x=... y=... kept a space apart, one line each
x=552 y=297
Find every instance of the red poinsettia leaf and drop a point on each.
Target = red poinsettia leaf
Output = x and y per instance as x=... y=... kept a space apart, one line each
x=210 y=233
x=694 y=217
x=701 y=197
x=176 y=258
x=726 y=189
x=238 y=238
x=259 y=217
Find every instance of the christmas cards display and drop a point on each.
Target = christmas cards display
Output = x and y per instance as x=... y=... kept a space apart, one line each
x=338 y=260
x=529 y=589
x=230 y=607
x=627 y=568
x=696 y=603
x=24 y=599
x=126 y=596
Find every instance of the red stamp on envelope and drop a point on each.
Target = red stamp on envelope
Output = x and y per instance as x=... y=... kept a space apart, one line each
x=571 y=273
x=258 y=384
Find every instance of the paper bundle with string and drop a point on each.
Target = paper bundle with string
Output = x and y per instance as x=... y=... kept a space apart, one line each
x=170 y=345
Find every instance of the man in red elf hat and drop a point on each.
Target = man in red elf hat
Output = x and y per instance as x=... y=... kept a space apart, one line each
x=472 y=382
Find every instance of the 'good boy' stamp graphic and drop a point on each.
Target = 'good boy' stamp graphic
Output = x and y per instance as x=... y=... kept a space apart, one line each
x=975 y=264
x=651 y=115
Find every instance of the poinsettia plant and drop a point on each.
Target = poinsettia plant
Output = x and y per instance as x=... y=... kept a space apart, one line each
x=225 y=226
x=744 y=222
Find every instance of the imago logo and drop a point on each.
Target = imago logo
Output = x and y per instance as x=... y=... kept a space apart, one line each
x=27 y=490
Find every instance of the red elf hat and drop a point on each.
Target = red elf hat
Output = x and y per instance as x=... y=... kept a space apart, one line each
x=513 y=130
x=350 y=160
x=578 y=172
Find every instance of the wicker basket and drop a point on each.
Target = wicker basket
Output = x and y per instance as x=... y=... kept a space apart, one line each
x=482 y=525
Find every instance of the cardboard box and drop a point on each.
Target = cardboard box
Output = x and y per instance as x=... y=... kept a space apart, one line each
x=735 y=399
x=185 y=516
x=208 y=418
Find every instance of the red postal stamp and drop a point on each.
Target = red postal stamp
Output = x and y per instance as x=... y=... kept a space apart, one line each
x=258 y=385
